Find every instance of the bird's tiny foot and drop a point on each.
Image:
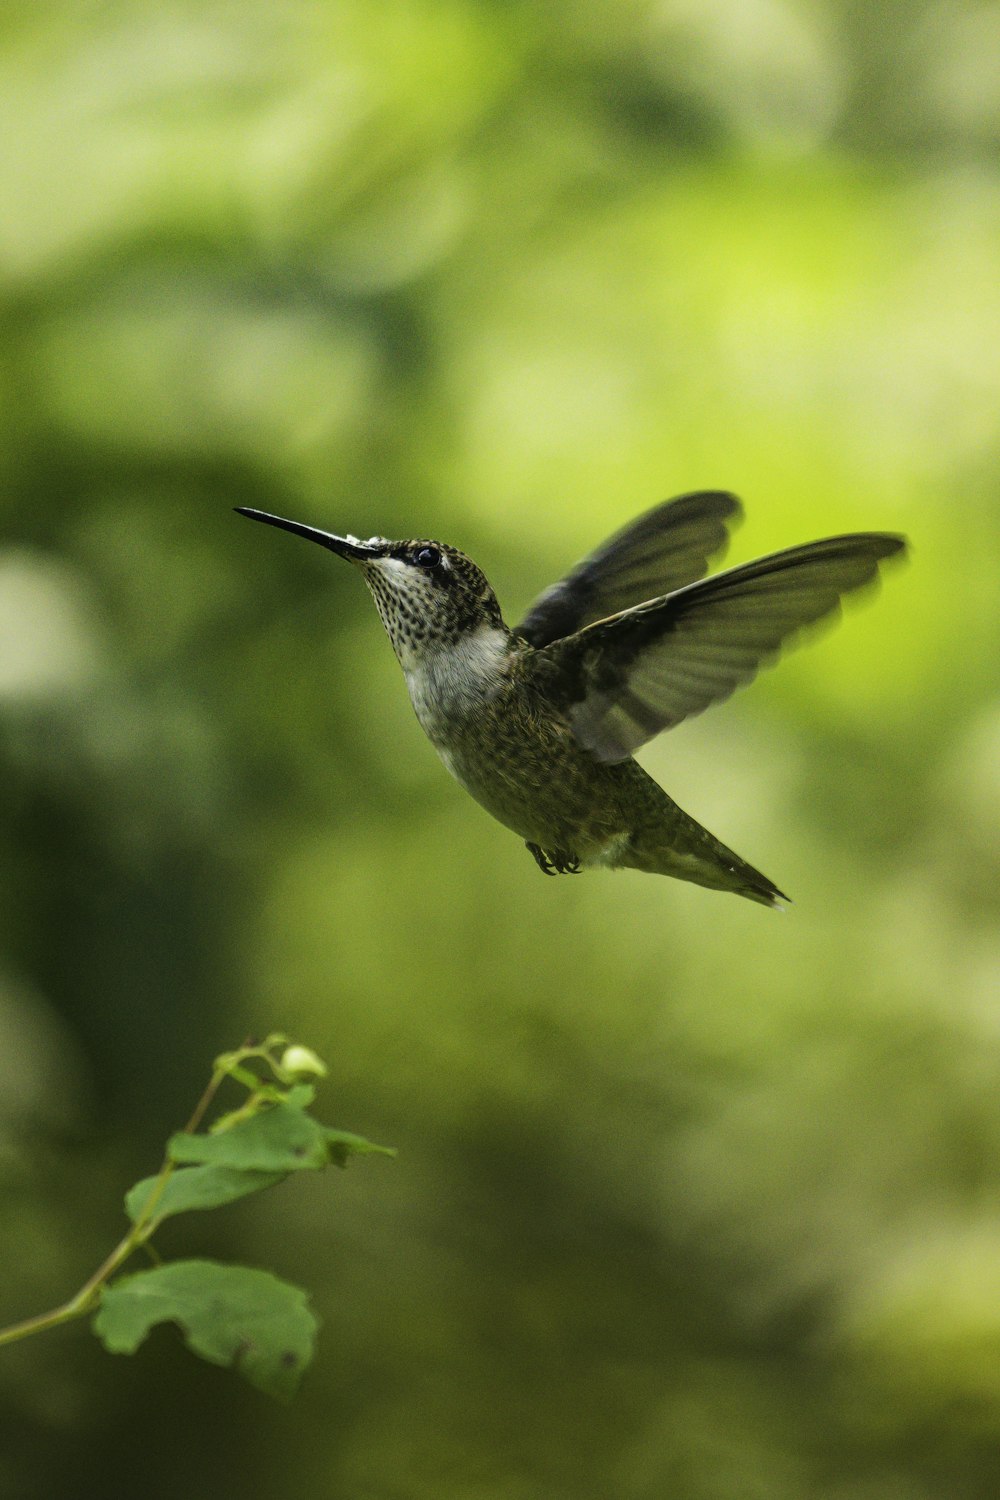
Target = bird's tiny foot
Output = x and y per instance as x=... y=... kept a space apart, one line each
x=557 y=862
x=540 y=858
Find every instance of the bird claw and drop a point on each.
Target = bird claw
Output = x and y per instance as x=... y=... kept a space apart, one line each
x=558 y=862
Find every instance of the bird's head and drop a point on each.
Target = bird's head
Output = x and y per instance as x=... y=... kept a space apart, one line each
x=428 y=594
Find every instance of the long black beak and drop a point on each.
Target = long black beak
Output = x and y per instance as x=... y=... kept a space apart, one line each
x=344 y=546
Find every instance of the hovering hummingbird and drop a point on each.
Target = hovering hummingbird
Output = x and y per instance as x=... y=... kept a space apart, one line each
x=540 y=723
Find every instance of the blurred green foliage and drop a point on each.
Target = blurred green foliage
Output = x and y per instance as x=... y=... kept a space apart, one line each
x=692 y=1200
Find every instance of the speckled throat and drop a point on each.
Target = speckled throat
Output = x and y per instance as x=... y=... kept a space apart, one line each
x=424 y=609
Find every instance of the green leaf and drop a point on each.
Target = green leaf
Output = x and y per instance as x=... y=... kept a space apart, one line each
x=229 y=1315
x=300 y=1096
x=197 y=1187
x=341 y=1144
x=279 y=1138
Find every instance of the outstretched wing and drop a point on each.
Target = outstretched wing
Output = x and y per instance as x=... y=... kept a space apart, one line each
x=664 y=549
x=624 y=679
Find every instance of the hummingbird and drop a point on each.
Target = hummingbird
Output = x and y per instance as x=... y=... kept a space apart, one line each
x=540 y=723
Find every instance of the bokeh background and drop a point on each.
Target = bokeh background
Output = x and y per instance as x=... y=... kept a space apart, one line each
x=692 y=1199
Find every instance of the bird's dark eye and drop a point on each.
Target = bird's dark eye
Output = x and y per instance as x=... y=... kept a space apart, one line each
x=427 y=557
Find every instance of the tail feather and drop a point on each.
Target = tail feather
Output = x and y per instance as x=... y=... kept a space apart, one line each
x=679 y=846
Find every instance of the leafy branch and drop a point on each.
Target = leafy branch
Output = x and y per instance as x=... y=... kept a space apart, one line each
x=229 y=1315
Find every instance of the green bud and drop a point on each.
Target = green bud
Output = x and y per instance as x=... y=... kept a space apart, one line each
x=302 y=1062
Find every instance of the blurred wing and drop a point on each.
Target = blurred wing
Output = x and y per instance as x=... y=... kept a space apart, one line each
x=625 y=679
x=663 y=550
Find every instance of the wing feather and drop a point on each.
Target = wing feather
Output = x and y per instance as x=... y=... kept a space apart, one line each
x=630 y=676
x=660 y=552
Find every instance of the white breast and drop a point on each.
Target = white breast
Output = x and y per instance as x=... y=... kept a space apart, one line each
x=450 y=682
